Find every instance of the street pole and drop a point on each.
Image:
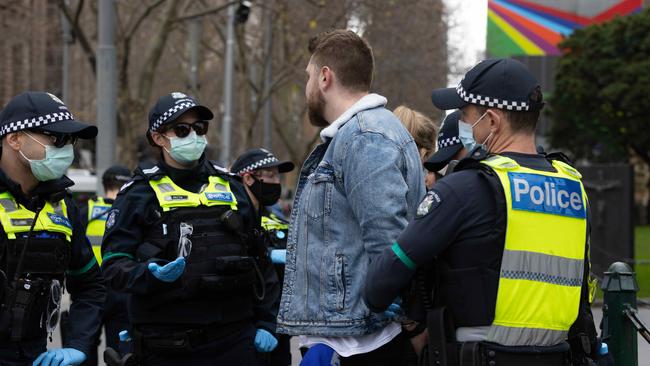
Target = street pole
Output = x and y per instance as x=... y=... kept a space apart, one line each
x=226 y=126
x=106 y=91
x=67 y=39
x=268 y=79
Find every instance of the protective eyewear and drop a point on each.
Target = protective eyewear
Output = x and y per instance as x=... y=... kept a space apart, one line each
x=183 y=129
x=58 y=139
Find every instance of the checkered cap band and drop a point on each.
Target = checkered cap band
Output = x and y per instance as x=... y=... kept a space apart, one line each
x=490 y=102
x=257 y=165
x=454 y=140
x=165 y=116
x=35 y=122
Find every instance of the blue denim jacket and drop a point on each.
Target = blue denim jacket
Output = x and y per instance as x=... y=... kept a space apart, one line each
x=356 y=193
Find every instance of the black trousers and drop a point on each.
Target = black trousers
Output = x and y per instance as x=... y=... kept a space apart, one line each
x=397 y=352
x=21 y=353
x=116 y=319
x=281 y=355
x=236 y=348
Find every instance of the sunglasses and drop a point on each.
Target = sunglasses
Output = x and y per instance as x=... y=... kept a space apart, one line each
x=183 y=129
x=59 y=139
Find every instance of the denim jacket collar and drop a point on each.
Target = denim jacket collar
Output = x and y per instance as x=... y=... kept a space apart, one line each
x=366 y=102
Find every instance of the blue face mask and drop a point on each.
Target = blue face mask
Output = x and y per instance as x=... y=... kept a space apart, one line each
x=466 y=134
x=187 y=149
x=53 y=166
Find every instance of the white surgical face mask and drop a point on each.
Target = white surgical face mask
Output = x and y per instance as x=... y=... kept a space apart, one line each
x=466 y=133
x=54 y=165
x=187 y=149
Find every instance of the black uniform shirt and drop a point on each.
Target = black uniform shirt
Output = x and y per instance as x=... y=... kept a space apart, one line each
x=463 y=209
x=136 y=208
x=83 y=279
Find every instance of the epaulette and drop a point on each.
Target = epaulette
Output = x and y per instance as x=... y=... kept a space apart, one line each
x=473 y=159
x=559 y=156
x=149 y=171
x=218 y=169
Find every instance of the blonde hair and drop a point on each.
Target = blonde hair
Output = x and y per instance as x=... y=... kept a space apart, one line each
x=422 y=129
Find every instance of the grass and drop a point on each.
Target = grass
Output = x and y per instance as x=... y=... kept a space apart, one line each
x=642 y=253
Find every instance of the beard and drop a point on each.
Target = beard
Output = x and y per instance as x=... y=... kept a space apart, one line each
x=315 y=108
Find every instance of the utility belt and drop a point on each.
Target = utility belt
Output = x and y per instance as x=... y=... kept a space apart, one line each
x=29 y=309
x=491 y=354
x=149 y=340
x=444 y=350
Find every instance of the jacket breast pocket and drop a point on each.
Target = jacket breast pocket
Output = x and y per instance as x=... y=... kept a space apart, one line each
x=318 y=193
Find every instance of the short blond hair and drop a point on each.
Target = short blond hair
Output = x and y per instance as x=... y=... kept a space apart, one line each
x=422 y=128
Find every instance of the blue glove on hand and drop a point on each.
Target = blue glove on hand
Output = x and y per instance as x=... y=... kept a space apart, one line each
x=60 y=357
x=279 y=256
x=394 y=312
x=170 y=271
x=265 y=341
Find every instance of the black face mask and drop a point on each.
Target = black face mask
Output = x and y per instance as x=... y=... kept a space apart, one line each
x=266 y=193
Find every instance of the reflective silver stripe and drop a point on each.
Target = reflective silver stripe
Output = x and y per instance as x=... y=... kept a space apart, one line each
x=523 y=265
x=95 y=240
x=511 y=336
x=165 y=187
x=8 y=204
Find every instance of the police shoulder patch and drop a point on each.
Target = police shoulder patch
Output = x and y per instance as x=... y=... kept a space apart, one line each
x=429 y=203
x=112 y=216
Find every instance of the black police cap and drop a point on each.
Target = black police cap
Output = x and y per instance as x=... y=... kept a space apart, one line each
x=256 y=159
x=449 y=143
x=171 y=106
x=118 y=173
x=502 y=83
x=34 y=110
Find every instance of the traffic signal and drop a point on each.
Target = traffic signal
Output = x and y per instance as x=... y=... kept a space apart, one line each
x=243 y=11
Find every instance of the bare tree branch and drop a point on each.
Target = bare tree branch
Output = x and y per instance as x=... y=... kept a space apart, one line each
x=149 y=69
x=80 y=34
x=142 y=17
x=206 y=12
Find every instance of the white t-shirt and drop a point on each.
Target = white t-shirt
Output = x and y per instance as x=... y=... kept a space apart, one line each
x=354 y=345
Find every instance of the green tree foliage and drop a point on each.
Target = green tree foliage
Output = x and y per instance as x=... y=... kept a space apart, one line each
x=601 y=102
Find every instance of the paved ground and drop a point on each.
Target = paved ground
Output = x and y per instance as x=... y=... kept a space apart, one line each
x=644 y=348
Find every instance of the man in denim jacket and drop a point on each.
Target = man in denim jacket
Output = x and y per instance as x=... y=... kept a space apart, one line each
x=356 y=193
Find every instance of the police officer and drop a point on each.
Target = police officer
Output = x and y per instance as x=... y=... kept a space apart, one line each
x=454 y=141
x=37 y=256
x=94 y=215
x=506 y=233
x=260 y=171
x=180 y=239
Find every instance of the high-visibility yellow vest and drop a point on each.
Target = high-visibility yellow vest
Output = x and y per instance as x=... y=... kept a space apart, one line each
x=16 y=219
x=544 y=255
x=97 y=214
x=272 y=222
x=170 y=195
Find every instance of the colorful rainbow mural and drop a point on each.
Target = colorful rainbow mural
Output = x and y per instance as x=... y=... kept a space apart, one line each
x=534 y=27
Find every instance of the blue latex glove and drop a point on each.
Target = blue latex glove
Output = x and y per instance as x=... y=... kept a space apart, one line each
x=279 y=256
x=265 y=341
x=320 y=355
x=395 y=312
x=60 y=357
x=170 y=271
